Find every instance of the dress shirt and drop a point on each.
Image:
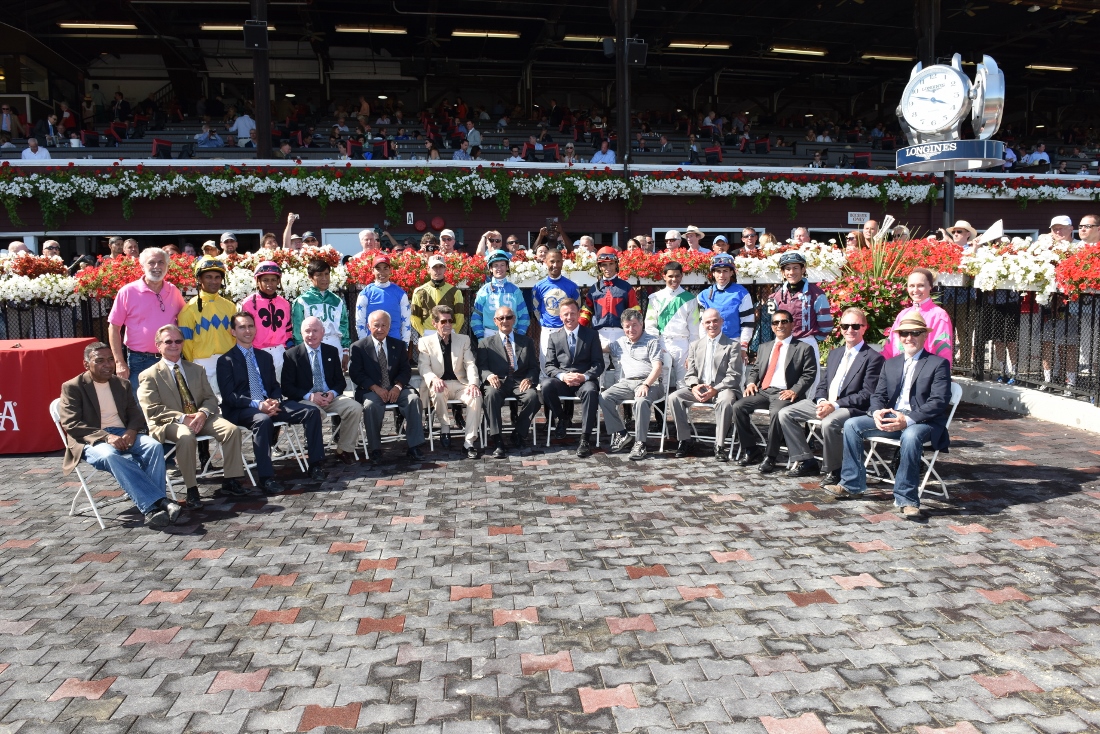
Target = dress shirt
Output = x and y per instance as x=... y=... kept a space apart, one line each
x=571 y=342
x=909 y=370
x=512 y=343
x=173 y=366
x=850 y=355
x=779 y=379
x=250 y=357
x=708 y=365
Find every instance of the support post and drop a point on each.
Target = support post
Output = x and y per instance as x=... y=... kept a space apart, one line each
x=622 y=29
x=262 y=88
x=948 y=199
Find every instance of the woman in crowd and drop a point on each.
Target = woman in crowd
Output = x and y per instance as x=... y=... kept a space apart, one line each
x=854 y=241
x=430 y=151
x=941 y=335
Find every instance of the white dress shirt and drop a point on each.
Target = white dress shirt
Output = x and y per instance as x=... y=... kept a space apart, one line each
x=779 y=379
x=850 y=355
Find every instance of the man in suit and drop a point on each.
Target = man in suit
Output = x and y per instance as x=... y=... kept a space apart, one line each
x=713 y=377
x=179 y=404
x=312 y=376
x=509 y=368
x=784 y=371
x=851 y=374
x=638 y=356
x=449 y=371
x=252 y=398
x=102 y=424
x=574 y=363
x=381 y=372
x=911 y=403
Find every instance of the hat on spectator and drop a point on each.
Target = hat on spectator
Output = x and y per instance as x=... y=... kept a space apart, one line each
x=1063 y=220
x=380 y=260
x=963 y=224
x=498 y=256
x=913 y=322
x=436 y=260
x=792 y=258
x=227 y=236
x=606 y=254
x=692 y=229
x=295 y=236
x=210 y=247
x=447 y=233
x=673 y=265
x=672 y=235
x=721 y=260
x=721 y=238
x=307 y=235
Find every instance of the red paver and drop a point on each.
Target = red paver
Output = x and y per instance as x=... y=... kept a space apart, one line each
x=594 y=699
x=160 y=637
x=565 y=499
x=582 y=486
x=198 y=554
x=1033 y=543
x=882 y=517
x=485 y=591
x=1002 y=685
x=874 y=545
x=999 y=596
x=330 y=515
x=804 y=724
x=357 y=547
x=19 y=543
x=537 y=462
x=854 y=582
x=4 y=666
x=691 y=593
x=269 y=580
x=227 y=680
x=970 y=529
x=1018 y=447
x=538 y=566
x=726 y=498
x=389 y=483
x=498 y=478
x=969 y=559
x=504 y=616
x=641 y=623
x=273 y=616
x=801 y=507
x=367 y=587
x=727 y=556
x=506 y=530
x=370 y=564
x=345 y=717
x=391 y=624
x=813 y=597
x=560 y=661
x=92 y=690
x=165 y=597
x=637 y=572
x=407 y=520
x=97 y=557
x=655 y=488
x=961 y=727
x=8 y=503
x=787 y=663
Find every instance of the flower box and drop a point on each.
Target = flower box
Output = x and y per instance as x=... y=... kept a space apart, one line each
x=764 y=278
x=1012 y=285
x=692 y=279
x=957 y=280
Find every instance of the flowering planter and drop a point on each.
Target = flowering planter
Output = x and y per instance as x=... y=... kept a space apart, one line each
x=957 y=280
x=693 y=279
x=765 y=278
x=814 y=275
x=1012 y=285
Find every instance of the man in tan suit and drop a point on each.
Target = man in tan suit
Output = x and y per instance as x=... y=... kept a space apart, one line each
x=103 y=426
x=449 y=370
x=179 y=405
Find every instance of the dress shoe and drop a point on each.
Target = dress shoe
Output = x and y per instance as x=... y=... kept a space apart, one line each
x=194 y=499
x=472 y=452
x=808 y=468
x=721 y=454
x=445 y=442
x=415 y=453
x=271 y=487
x=157 y=518
x=768 y=466
x=173 y=510
x=345 y=457
x=317 y=473
x=177 y=514
x=517 y=440
x=233 y=488
x=376 y=455
x=499 y=452
x=560 y=430
x=750 y=459
x=684 y=448
x=584 y=449
x=832 y=477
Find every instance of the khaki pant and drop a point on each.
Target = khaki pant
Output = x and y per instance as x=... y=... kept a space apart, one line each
x=455 y=391
x=224 y=432
x=351 y=413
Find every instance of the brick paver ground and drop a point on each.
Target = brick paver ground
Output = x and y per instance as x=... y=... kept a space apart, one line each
x=545 y=594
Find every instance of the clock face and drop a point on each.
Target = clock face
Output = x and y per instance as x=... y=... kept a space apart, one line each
x=934 y=99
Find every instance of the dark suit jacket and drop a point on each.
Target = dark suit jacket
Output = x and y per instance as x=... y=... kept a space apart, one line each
x=801 y=367
x=233 y=380
x=860 y=382
x=491 y=359
x=365 y=371
x=80 y=416
x=929 y=398
x=42 y=130
x=587 y=358
x=297 y=377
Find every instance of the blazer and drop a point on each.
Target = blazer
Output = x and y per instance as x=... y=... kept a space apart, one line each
x=587 y=357
x=159 y=395
x=463 y=361
x=232 y=371
x=80 y=416
x=727 y=356
x=929 y=397
x=860 y=382
x=297 y=377
x=801 y=368
x=365 y=371
x=492 y=360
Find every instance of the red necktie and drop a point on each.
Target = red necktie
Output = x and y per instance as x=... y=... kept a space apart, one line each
x=771 y=365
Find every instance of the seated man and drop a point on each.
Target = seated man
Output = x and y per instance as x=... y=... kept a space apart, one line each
x=101 y=422
x=449 y=371
x=574 y=363
x=638 y=356
x=381 y=372
x=851 y=374
x=252 y=398
x=509 y=368
x=911 y=403
x=312 y=375
x=784 y=371
x=180 y=404
x=713 y=376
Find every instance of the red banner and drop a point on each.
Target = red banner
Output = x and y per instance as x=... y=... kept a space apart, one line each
x=31 y=374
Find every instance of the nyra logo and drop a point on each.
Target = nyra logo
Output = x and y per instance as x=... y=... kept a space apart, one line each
x=7 y=415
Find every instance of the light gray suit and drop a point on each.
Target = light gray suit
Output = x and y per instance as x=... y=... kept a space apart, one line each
x=727 y=370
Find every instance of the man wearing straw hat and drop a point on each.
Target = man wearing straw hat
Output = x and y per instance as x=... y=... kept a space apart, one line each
x=911 y=403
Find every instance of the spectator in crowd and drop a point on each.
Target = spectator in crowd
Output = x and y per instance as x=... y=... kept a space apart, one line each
x=638 y=357
x=694 y=236
x=16 y=247
x=271 y=312
x=431 y=153
x=241 y=126
x=870 y=230
x=103 y=425
x=854 y=242
x=720 y=244
x=447 y=244
x=962 y=234
x=800 y=236
x=87 y=112
x=208 y=138
x=498 y=291
x=9 y=121
x=473 y=136
x=768 y=239
x=939 y=340
x=319 y=301
x=228 y=242
x=51 y=248
x=603 y=155
x=269 y=241
x=475 y=153
x=204 y=322
x=130 y=247
x=673 y=315
x=449 y=372
x=750 y=240
x=6 y=144
x=369 y=244
x=817 y=162
x=386 y=296
x=120 y=108
x=574 y=363
x=570 y=155
x=463 y=152
x=1039 y=155
x=189 y=249
x=33 y=152
x=666 y=146
x=509 y=369
x=515 y=157
x=47 y=128
x=672 y=240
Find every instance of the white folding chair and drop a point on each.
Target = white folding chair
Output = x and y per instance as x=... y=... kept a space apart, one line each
x=54 y=413
x=485 y=423
x=735 y=445
x=206 y=469
x=432 y=432
x=294 y=442
x=875 y=462
x=666 y=376
x=813 y=427
x=762 y=439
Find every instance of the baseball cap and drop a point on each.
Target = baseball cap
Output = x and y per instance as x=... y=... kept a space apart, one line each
x=226 y=236
x=721 y=238
x=1063 y=220
x=307 y=235
x=379 y=260
x=436 y=260
x=447 y=233
x=792 y=258
x=672 y=235
x=210 y=247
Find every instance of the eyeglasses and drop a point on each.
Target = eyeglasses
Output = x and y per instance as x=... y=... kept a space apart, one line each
x=851 y=327
x=850 y=237
x=780 y=322
x=446 y=237
x=505 y=318
x=494 y=240
x=172 y=341
x=671 y=239
x=904 y=334
x=53 y=247
x=444 y=321
x=1087 y=226
x=513 y=242
x=747 y=236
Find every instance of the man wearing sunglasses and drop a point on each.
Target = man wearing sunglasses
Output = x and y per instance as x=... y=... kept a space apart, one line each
x=910 y=403
x=784 y=371
x=449 y=372
x=851 y=375
x=509 y=368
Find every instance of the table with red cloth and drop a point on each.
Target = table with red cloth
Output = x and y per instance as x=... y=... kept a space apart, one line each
x=31 y=374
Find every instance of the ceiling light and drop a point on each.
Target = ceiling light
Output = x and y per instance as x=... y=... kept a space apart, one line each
x=808 y=114
x=712 y=45
x=1034 y=9
x=392 y=30
x=226 y=27
x=382 y=96
x=871 y=56
x=1037 y=127
x=583 y=39
x=1050 y=67
x=467 y=33
x=290 y=95
x=798 y=50
x=92 y=25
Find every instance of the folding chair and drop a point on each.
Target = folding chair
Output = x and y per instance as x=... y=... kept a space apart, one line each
x=862 y=160
x=762 y=439
x=54 y=413
x=286 y=430
x=696 y=436
x=485 y=424
x=205 y=470
x=432 y=432
x=713 y=155
x=666 y=376
x=876 y=462
x=579 y=431
x=813 y=427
